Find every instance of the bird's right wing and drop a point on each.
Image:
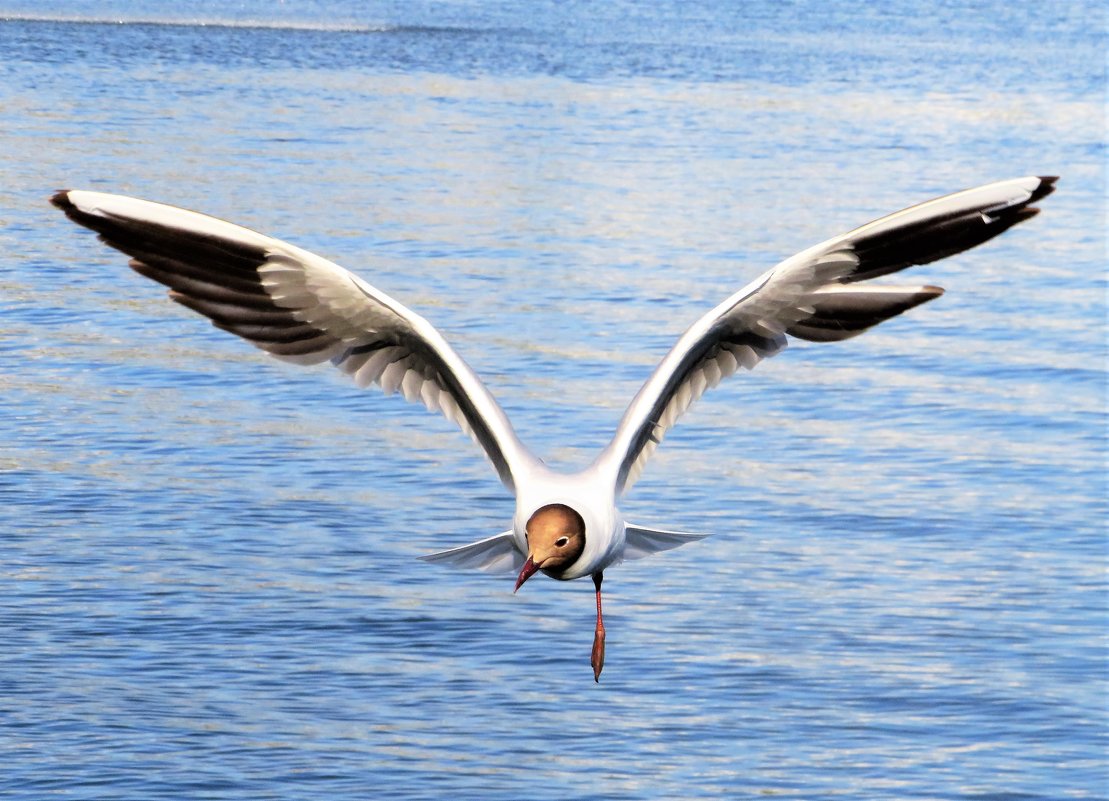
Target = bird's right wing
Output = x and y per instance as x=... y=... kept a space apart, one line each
x=300 y=308
x=815 y=295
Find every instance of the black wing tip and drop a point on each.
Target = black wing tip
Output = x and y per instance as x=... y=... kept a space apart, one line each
x=922 y=295
x=1046 y=187
x=60 y=199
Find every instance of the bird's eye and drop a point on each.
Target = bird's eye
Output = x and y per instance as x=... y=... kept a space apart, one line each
x=561 y=542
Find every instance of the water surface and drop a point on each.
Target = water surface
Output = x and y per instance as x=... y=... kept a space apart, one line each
x=209 y=557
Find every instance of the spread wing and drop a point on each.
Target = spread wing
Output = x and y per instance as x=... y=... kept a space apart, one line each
x=300 y=308
x=818 y=295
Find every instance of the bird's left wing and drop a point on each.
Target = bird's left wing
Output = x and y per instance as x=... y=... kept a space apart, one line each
x=300 y=308
x=815 y=295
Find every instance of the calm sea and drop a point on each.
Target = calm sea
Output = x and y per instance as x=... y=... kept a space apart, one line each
x=209 y=583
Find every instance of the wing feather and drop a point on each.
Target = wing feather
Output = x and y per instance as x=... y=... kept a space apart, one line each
x=815 y=295
x=300 y=308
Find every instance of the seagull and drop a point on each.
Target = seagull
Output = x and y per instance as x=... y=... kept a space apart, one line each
x=304 y=309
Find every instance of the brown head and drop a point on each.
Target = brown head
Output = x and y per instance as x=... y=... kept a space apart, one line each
x=556 y=538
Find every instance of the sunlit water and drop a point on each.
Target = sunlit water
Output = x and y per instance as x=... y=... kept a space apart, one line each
x=209 y=577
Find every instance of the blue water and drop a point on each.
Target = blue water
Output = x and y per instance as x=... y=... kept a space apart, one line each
x=209 y=578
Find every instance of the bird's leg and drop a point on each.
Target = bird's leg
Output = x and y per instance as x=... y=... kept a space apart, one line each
x=597 y=660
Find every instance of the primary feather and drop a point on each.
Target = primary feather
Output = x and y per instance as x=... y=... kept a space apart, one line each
x=815 y=295
x=300 y=308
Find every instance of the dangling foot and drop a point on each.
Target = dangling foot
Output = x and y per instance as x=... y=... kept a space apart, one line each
x=597 y=659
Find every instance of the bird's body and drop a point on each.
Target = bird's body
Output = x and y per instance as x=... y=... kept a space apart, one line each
x=304 y=309
x=590 y=494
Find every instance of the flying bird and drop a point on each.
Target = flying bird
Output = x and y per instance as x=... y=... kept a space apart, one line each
x=304 y=309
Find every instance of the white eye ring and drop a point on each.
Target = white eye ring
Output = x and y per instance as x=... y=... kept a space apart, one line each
x=561 y=541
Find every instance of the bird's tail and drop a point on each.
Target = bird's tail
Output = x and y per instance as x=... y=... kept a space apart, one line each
x=496 y=554
x=642 y=541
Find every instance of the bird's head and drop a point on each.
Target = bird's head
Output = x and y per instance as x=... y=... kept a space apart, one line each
x=556 y=538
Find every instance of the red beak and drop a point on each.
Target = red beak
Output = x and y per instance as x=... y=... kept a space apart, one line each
x=527 y=571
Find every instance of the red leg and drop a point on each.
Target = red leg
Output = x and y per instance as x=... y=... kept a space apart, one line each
x=597 y=660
